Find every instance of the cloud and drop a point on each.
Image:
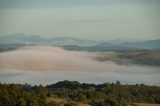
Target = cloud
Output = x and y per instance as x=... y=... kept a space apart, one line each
x=46 y=65
x=43 y=58
x=34 y=4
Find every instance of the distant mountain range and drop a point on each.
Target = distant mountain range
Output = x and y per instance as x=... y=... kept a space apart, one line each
x=72 y=43
x=36 y=39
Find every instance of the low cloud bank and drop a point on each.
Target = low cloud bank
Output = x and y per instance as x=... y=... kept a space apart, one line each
x=43 y=58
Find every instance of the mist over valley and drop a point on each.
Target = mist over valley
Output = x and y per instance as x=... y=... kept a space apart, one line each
x=52 y=62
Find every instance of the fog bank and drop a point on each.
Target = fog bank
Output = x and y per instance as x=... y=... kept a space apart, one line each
x=43 y=58
x=45 y=64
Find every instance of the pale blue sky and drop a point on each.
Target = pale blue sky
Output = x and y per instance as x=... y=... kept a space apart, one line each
x=91 y=19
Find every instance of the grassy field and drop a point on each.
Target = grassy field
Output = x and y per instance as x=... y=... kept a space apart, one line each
x=63 y=101
x=145 y=104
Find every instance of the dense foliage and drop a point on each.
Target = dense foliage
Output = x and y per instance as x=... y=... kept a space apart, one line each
x=22 y=95
x=107 y=94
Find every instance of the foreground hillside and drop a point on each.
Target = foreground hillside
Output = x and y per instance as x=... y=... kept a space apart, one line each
x=146 y=104
x=72 y=93
x=66 y=102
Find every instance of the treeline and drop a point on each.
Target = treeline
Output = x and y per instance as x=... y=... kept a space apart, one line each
x=22 y=95
x=107 y=94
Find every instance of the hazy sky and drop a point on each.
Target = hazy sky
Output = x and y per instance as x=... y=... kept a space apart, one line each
x=91 y=19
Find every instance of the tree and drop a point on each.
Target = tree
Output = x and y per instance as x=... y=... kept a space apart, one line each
x=81 y=97
x=32 y=101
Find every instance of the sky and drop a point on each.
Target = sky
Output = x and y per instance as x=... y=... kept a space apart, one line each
x=89 y=19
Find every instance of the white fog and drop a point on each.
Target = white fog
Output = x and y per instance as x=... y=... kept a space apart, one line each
x=45 y=65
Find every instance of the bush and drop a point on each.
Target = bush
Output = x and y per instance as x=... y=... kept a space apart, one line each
x=70 y=104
